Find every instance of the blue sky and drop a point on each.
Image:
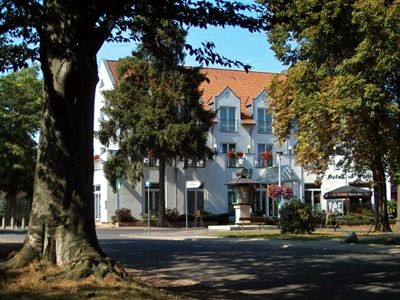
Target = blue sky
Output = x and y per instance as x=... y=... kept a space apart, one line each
x=234 y=43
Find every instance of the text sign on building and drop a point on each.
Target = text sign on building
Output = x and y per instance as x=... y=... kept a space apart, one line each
x=193 y=184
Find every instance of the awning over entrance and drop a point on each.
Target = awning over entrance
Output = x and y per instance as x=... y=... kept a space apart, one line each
x=347 y=191
x=271 y=175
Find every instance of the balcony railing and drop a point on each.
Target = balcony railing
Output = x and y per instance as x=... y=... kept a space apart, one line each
x=234 y=162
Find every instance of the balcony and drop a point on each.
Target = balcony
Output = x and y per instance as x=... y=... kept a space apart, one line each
x=234 y=162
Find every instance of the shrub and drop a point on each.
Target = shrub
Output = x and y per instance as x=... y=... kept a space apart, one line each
x=153 y=216
x=182 y=218
x=172 y=215
x=223 y=219
x=392 y=208
x=123 y=215
x=296 y=217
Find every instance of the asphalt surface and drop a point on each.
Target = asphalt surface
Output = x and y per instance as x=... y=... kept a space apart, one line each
x=256 y=269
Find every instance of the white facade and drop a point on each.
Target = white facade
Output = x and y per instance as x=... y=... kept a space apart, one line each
x=204 y=187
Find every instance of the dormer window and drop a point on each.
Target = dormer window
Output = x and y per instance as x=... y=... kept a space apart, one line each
x=264 y=121
x=227 y=116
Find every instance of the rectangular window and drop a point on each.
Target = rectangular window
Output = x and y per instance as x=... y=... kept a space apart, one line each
x=150 y=162
x=232 y=199
x=264 y=121
x=154 y=196
x=97 y=201
x=263 y=159
x=231 y=162
x=195 y=201
x=227 y=115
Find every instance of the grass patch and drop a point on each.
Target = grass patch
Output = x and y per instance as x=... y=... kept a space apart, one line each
x=276 y=235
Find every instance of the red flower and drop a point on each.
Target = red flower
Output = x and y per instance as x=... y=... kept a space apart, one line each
x=267 y=155
x=240 y=154
x=96 y=157
x=230 y=154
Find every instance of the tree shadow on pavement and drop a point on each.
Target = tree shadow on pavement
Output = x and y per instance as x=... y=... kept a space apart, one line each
x=262 y=270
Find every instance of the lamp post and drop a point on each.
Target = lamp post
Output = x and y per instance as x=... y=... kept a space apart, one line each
x=147 y=184
x=279 y=154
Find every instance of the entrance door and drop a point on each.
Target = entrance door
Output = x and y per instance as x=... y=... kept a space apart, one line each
x=313 y=197
x=154 y=196
x=264 y=205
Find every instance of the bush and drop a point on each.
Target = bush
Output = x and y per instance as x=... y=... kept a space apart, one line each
x=172 y=215
x=296 y=217
x=392 y=208
x=223 y=219
x=124 y=215
x=182 y=218
x=153 y=216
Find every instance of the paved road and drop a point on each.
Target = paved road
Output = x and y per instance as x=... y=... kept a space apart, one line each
x=259 y=269
x=267 y=269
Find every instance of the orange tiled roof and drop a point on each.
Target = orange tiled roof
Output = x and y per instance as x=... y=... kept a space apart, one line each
x=245 y=85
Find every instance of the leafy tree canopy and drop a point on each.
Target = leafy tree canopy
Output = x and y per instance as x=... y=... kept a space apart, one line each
x=21 y=101
x=342 y=91
x=24 y=25
x=342 y=88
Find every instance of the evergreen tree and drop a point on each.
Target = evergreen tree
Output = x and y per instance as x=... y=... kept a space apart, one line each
x=155 y=111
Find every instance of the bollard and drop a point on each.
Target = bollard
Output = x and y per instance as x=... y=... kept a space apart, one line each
x=23 y=223
x=3 y=222
x=12 y=223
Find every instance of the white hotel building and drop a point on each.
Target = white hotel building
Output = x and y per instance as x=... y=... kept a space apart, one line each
x=242 y=123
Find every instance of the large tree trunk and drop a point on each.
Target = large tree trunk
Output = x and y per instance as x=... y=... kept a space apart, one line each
x=381 y=215
x=398 y=209
x=162 y=220
x=61 y=227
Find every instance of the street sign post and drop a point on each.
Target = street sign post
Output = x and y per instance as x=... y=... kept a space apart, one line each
x=147 y=184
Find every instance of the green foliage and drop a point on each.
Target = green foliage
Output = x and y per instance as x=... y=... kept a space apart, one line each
x=153 y=216
x=22 y=26
x=172 y=215
x=296 y=217
x=20 y=106
x=342 y=90
x=124 y=215
x=392 y=208
x=154 y=111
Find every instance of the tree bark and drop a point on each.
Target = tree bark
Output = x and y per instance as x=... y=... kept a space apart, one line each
x=398 y=209
x=162 y=221
x=381 y=215
x=61 y=226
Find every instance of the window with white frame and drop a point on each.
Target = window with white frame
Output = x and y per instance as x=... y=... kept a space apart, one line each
x=152 y=193
x=227 y=116
x=195 y=200
x=264 y=121
x=97 y=201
